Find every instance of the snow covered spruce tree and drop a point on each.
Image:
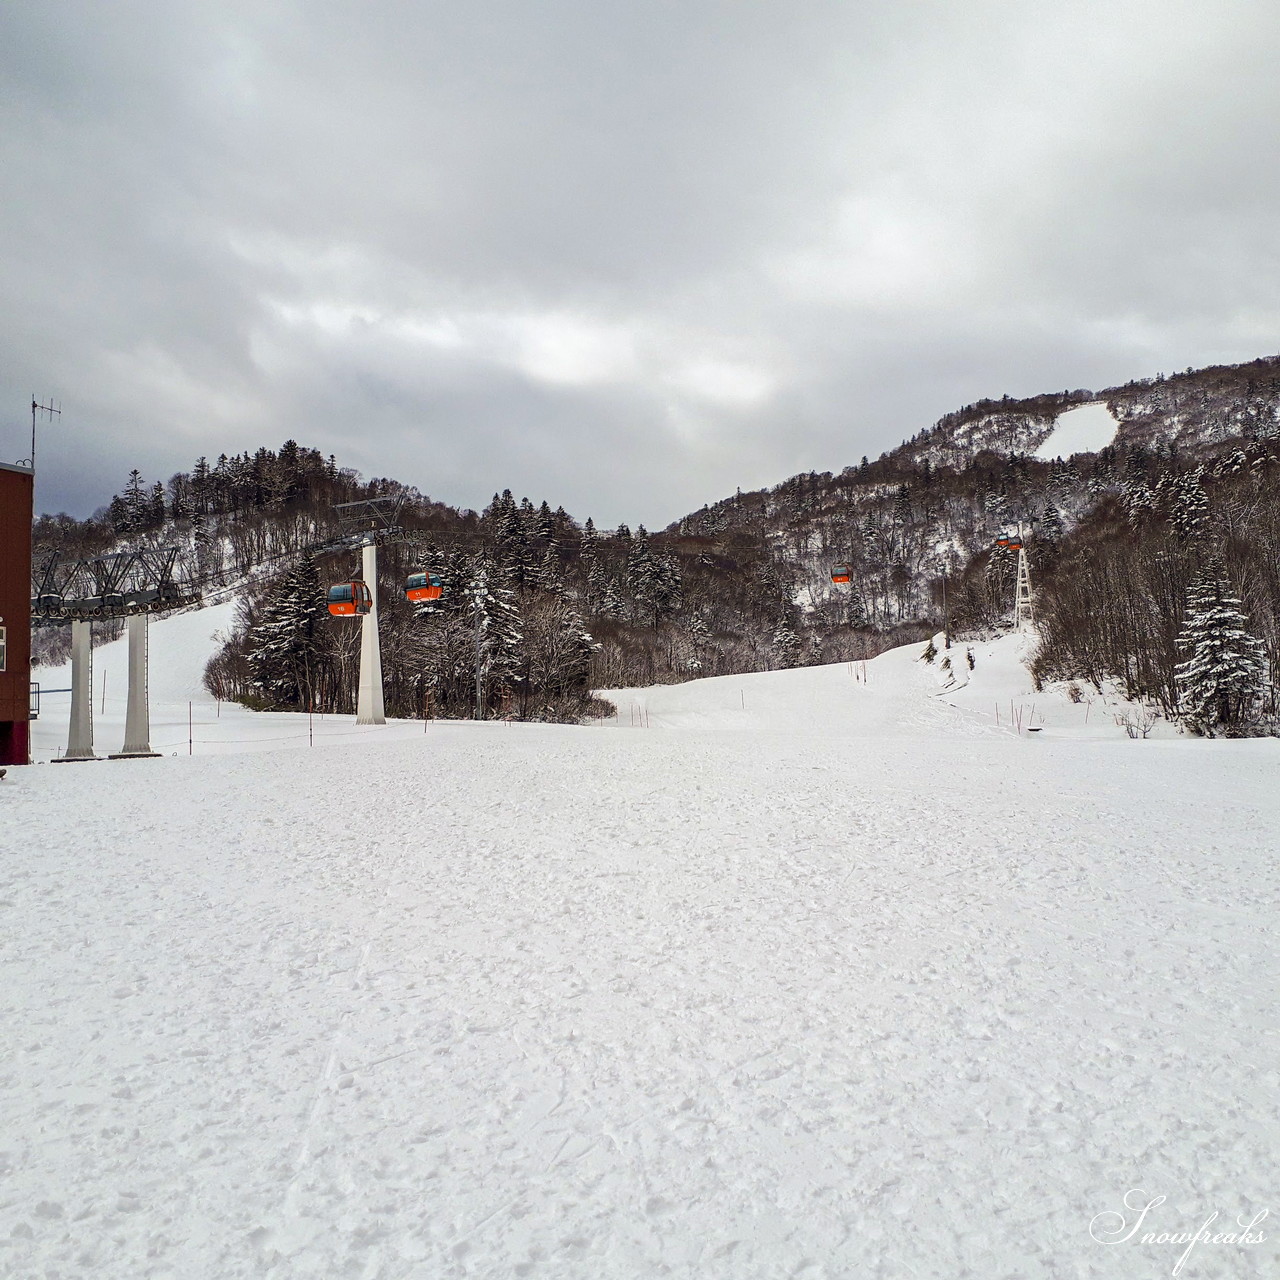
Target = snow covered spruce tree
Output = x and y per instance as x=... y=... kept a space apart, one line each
x=653 y=581
x=1189 y=506
x=785 y=643
x=1224 y=672
x=285 y=643
x=493 y=617
x=1051 y=527
x=1002 y=566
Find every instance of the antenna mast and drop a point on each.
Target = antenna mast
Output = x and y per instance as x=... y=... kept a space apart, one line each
x=37 y=408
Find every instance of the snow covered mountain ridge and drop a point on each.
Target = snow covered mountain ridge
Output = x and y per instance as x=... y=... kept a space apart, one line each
x=1130 y=495
x=1190 y=411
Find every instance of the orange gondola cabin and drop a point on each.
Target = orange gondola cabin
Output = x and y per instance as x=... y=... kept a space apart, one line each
x=349 y=598
x=841 y=573
x=423 y=586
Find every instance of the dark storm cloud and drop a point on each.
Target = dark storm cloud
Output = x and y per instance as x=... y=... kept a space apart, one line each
x=623 y=256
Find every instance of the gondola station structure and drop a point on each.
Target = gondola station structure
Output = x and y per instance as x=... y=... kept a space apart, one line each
x=128 y=585
x=133 y=585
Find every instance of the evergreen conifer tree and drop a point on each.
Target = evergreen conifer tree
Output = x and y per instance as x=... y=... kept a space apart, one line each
x=610 y=605
x=667 y=591
x=1190 y=506
x=1051 y=526
x=1139 y=501
x=785 y=642
x=1223 y=673
x=285 y=643
x=118 y=514
x=201 y=542
x=640 y=570
x=999 y=576
x=200 y=486
x=701 y=639
x=544 y=523
x=513 y=554
x=494 y=617
x=550 y=571
x=136 y=502
x=155 y=506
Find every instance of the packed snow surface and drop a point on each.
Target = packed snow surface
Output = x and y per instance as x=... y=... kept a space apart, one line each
x=1084 y=430
x=818 y=973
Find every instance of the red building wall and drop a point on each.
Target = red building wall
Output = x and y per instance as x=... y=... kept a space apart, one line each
x=16 y=491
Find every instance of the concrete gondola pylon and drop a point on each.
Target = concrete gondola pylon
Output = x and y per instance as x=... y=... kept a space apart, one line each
x=137 y=720
x=80 y=732
x=369 y=703
x=376 y=518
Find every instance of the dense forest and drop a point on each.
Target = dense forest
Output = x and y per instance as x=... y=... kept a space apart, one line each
x=1156 y=564
x=553 y=607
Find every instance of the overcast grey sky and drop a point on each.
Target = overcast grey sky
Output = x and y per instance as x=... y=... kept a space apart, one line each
x=624 y=256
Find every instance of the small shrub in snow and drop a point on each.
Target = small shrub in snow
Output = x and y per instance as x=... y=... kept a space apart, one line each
x=1137 y=723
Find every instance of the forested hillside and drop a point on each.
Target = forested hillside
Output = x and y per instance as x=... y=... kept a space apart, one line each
x=1189 y=411
x=1132 y=548
x=560 y=607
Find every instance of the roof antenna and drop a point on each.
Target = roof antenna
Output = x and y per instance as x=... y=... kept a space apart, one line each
x=36 y=408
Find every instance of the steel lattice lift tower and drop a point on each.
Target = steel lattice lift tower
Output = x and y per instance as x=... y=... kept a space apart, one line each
x=1023 y=607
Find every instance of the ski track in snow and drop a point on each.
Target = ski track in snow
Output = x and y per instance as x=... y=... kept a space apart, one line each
x=812 y=978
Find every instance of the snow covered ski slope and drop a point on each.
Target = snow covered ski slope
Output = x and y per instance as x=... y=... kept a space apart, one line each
x=822 y=973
